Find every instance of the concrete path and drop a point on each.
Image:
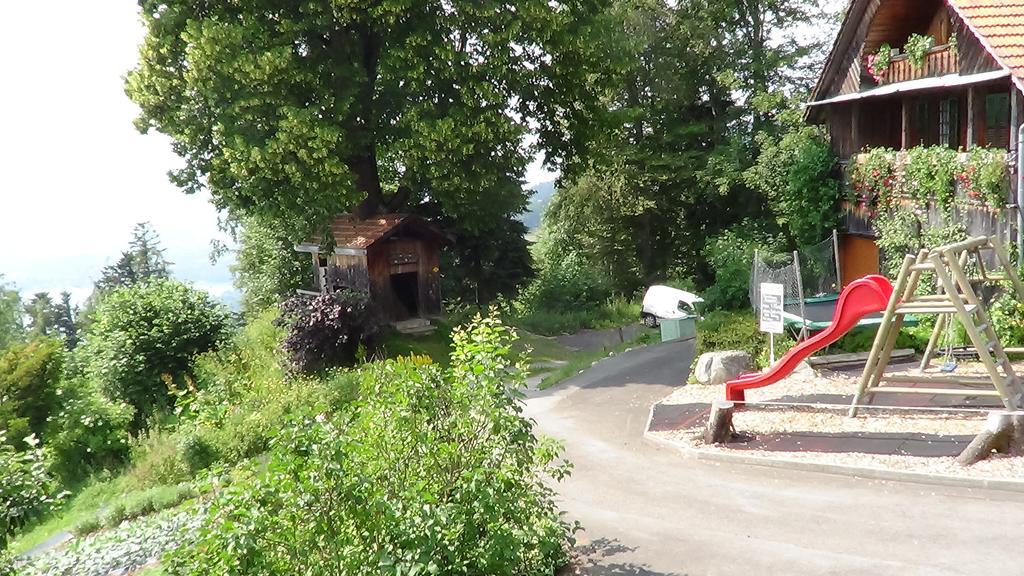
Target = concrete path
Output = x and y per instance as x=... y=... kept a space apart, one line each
x=650 y=511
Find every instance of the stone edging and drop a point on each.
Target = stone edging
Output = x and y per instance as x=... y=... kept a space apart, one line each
x=836 y=469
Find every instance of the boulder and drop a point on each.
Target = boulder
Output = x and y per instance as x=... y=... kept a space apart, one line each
x=720 y=367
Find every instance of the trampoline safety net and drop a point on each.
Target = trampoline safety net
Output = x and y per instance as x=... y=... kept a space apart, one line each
x=814 y=267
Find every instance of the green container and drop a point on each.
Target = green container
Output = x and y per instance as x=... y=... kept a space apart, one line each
x=678 y=328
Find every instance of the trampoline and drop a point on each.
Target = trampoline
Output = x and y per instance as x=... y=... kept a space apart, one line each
x=818 y=312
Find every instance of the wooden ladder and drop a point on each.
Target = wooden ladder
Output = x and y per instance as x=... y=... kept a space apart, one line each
x=955 y=296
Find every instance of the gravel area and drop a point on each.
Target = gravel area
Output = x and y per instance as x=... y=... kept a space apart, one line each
x=818 y=425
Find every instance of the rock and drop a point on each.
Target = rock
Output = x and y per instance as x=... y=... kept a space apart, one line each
x=720 y=367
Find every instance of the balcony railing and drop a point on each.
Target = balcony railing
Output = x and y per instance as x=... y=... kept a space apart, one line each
x=939 y=61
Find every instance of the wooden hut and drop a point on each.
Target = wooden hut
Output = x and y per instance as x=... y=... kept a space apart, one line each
x=396 y=257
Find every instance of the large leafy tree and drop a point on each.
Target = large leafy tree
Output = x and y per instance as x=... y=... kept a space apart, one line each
x=690 y=85
x=297 y=110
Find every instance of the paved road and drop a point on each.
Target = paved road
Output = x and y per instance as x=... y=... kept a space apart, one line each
x=649 y=511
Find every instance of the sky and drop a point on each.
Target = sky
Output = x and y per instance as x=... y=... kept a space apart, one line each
x=75 y=175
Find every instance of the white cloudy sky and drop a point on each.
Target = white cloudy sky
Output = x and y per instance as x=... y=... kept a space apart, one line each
x=75 y=175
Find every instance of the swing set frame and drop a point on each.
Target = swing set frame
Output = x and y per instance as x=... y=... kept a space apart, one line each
x=955 y=295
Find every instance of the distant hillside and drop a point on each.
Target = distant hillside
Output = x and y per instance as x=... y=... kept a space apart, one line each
x=539 y=200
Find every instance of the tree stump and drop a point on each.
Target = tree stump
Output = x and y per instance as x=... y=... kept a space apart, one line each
x=1002 y=432
x=719 y=430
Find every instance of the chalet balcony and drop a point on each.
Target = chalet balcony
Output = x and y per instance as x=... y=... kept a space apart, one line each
x=940 y=61
x=980 y=192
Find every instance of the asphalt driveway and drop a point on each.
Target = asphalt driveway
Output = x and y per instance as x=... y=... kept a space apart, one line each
x=650 y=511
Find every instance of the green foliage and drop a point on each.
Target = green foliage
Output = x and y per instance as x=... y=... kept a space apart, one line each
x=917 y=48
x=28 y=489
x=985 y=177
x=143 y=339
x=878 y=63
x=136 y=505
x=41 y=315
x=142 y=261
x=307 y=110
x=11 y=328
x=267 y=268
x=86 y=432
x=565 y=284
x=735 y=330
x=1007 y=314
x=614 y=312
x=902 y=231
x=327 y=330
x=434 y=471
x=873 y=177
x=861 y=340
x=29 y=374
x=66 y=320
x=731 y=255
x=796 y=174
x=928 y=175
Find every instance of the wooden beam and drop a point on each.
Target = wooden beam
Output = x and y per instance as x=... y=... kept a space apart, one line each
x=1014 y=107
x=970 y=117
x=854 y=126
x=905 y=127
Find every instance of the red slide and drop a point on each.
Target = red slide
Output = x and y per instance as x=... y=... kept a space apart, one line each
x=864 y=296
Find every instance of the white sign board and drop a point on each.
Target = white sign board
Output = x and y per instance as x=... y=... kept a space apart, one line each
x=771 y=307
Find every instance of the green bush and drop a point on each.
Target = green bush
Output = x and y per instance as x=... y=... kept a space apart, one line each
x=568 y=283
x=144 y=338
x=732 y=330
x=861 y=340
x=29 y=374
x=88 y=432
x=1007 y=314
x=327 y=330
x=432 y=471
x=731 y=257
x=197 y=452
x=28 y=489
x=614 y=312
x=87 y=526
x=156 y=459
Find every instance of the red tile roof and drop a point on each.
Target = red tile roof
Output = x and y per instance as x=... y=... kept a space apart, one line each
x=999 y=24
x=351 y=232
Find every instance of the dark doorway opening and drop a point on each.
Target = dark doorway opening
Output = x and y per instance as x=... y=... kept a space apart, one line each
x=406 y=287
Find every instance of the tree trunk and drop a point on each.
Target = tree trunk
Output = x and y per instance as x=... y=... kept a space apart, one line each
x=1002 y=431
x=719 y=429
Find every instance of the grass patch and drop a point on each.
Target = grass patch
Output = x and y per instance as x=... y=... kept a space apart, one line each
x=581 y=360
x=437 y=344
x=102 y=503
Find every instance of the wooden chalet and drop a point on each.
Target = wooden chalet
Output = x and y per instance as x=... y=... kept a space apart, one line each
x=967 y=93
x=395 y=257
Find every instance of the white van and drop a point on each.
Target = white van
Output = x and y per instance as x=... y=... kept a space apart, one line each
x=667 y=302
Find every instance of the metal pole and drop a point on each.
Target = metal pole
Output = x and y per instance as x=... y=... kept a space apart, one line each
x=839 y=271
x=800 y=296
x=1020 y=193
